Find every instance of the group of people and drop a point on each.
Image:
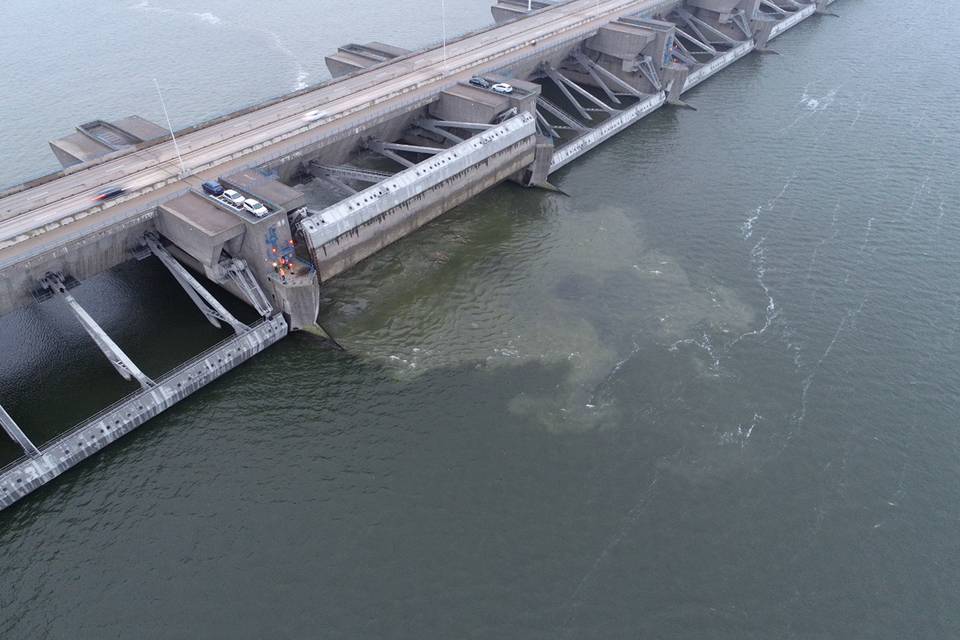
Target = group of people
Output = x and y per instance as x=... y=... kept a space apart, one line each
x=283 y=267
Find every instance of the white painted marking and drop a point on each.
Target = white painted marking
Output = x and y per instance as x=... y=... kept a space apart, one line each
x=115 y=168
x=39 y=195
x=241 y=124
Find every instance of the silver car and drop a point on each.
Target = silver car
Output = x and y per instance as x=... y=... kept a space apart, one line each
x=232 y=197
x=254 y=207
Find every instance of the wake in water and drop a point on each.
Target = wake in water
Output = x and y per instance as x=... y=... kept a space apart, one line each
x=811 y=105
x=212 y=20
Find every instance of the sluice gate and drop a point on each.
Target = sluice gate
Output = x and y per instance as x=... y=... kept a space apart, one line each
x=44 y=463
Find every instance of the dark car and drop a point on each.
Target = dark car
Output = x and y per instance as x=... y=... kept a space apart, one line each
x=479 y=82
x=109 y=192
x=212 y=187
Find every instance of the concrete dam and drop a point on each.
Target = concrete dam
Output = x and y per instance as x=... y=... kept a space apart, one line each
x=395 y=138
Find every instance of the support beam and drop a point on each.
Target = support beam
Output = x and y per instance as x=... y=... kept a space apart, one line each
x=412 y=148
x=431 y=125
x=337 y=184
x=346 y=171
x=560 y=81
x=238 y=271
x=649 y=72
x=478 y=126
x=684 y=54
x=14 y=431
x=590 y=65
x=740 y=17
x=377 y=146
x=120 y=361
x=546 y=125
x=692 y=20
x=601 y=105
x=563 y=116
x=703 y=45
x=587 y=64
x=685 y=16
x=208 y=305
x=771 y=5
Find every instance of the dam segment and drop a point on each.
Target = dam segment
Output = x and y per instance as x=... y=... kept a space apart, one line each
x=396 y=138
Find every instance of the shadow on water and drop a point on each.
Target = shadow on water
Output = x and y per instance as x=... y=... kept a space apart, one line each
x=54 y=376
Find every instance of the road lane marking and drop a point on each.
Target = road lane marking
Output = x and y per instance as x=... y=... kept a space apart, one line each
x=39 y=195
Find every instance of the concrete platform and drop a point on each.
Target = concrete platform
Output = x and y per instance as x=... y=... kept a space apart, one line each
x=199 y=226
x=268 y=189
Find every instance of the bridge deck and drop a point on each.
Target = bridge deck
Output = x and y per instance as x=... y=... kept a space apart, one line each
x=40 y=214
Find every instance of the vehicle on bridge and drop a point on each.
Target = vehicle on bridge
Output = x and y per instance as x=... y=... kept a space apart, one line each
x=255 y=207
x=313 y=116
x=502 y=87
x=108 y=193
x=212 y=187
x=233 y=198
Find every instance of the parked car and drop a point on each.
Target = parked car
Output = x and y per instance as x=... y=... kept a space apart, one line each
x=479 y=82
x=313 y=116
x=502 y=87
x=254 y=207
x=232 y=197
x=109 y=192
x=212 y=187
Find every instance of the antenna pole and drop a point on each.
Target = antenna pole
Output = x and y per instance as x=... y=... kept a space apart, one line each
x=443 y=19
x=170 y=127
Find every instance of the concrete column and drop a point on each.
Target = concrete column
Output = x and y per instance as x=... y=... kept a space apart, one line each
x=674 y=77
x=762 y=32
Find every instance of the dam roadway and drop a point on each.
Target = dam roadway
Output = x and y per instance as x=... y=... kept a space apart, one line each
x=34 y=218
x=54 y=234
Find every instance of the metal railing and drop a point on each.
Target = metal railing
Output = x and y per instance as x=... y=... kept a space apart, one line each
x=291 y=279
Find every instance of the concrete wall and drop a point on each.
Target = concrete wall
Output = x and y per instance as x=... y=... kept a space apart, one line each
x=82 y=258
x=342 y=235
